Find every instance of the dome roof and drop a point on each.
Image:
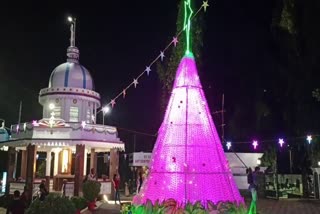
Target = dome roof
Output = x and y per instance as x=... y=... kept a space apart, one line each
x=71 y=74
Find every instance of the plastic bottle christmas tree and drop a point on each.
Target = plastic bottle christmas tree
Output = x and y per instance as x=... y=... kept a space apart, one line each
x=188 y=161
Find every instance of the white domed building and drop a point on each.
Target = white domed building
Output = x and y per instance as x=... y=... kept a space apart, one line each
x=70 y=92
x=67 y=132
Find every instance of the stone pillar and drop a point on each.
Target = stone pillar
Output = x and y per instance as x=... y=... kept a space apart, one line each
x=114 y=166
x=11 y=163
x=11 y=167
x=23 y=171
x=93 y=160
x=31 y=163
x=48 y=169
x=15 y=165
x=78 y=169
x=55 y=169
x=114 y=163
x=85 y=162
x=48 y=163
x=56 y=162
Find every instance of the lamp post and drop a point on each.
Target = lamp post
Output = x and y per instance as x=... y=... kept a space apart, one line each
x=105 y=110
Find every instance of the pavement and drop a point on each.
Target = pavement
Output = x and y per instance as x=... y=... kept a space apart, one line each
x=287 y=206
x=264 y=206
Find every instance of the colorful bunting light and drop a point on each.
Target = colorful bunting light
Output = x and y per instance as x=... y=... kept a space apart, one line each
x=309 y=139
x=281 y=142
x=255 y=144
x=228 y=145
x=161 y=56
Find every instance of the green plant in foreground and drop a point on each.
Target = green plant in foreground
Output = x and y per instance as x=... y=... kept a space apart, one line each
x=53 y=204
x=171 y=206
x=79 y=202
x=91 y=190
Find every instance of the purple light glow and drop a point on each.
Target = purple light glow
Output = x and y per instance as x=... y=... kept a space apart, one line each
x=228 y=145
x=281 y=142
x=255 y=144
x=188 y=162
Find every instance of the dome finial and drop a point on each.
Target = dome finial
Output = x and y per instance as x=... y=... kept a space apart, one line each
x=72 y=51
x=72 y=30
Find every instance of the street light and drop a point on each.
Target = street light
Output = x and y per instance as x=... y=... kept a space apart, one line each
x=105 y=110
x=258 y=162
x=70 y=19
x=319 y=163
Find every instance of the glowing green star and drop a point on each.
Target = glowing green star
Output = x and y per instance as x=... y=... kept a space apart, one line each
x=187 y=23
x=205 y=5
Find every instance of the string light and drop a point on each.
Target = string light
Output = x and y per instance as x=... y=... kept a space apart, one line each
x=228 y=145
x=309 y=138
x=281 y=142
x=255 y=144
x=161 y=56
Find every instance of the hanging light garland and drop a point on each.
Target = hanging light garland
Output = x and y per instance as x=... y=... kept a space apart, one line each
x=228 y=145
x=255 y=144
x=280 y=141
x=309 y=139
x=161 y=56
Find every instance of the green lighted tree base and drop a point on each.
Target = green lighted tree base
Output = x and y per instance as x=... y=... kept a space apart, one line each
x=171 y=206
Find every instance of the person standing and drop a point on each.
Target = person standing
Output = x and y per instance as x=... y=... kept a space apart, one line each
x=92 y=176
x=43 y=190
x=116 y=184
x=24 y=197
x=253 y=189
x=140 y=181
x=16 y=206
x=64 y=185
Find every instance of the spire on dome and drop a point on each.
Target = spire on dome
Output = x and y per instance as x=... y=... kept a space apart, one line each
x=72 y=51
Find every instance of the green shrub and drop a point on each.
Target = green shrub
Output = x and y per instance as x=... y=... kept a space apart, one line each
x=53 y=204
x=91 y=190
x=5 y=200
x=171 y=205
x=79 y=202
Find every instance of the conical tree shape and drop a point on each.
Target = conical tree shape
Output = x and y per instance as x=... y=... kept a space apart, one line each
x=188 y=162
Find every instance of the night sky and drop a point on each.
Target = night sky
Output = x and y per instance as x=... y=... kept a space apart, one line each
x=117 y=39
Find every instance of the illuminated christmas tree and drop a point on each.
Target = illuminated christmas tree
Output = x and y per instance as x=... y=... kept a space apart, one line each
x=188 y=161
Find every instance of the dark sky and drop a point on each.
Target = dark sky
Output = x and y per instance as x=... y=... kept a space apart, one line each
x=117 y=39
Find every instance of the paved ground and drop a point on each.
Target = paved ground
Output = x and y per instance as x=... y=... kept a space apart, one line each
x=265 y=206
x=269 y=206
